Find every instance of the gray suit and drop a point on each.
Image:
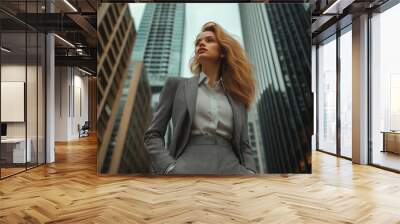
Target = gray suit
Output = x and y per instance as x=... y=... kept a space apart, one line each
x=178 y=101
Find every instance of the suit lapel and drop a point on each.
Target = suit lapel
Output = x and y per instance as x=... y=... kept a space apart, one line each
x=191 y=95
x=237 y=121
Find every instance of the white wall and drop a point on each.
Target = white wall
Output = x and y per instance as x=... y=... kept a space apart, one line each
x=33 y=126
x=82 y=83
x=61 y=103
x=16 y=73
x=12 y=73
x=12 y=100
x=71 y=93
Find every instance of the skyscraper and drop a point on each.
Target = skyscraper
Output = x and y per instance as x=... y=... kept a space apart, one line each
x=255 y=141
x=278 y=41
x=123 y=95
x=159 y=43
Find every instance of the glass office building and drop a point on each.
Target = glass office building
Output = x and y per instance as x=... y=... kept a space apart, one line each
x=124 y=95
x=277 y=40
x=255 y=140
x=112 y=61
x=159 y=43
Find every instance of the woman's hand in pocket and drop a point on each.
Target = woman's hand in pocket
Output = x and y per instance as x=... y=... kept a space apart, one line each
x=170 y=168
x=247 y=171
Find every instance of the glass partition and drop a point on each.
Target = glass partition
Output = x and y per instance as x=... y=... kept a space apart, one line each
x=327 y=95
x=385 y=89
x=346 y=93
x=22 y=78
x=13 y=108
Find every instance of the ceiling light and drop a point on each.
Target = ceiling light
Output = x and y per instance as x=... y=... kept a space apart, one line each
x=337 y=7
x=65 y=41
x=328 y=10
x=5 y=49
x=70 y=5
x=84 y=71
x=79 y=51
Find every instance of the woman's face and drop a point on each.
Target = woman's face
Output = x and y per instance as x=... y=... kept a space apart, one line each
x=207 y=48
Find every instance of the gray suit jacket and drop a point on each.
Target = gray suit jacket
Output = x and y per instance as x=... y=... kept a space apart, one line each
x=177 y=101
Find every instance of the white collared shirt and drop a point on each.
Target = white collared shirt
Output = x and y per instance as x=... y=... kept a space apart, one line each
x=213 y=112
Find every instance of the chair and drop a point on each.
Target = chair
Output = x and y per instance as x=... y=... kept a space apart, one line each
x=84 y=130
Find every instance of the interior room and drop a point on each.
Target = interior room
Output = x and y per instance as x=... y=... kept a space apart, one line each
x=22 y=100
x=336 y=86
x=47 y=87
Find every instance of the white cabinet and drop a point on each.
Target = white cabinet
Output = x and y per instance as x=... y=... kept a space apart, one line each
x=18 y=149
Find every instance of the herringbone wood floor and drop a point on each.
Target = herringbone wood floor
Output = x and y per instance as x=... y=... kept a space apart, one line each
x=70 y=191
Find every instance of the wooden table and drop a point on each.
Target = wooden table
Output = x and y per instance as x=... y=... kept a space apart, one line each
x=13 y=150
x=391 y=141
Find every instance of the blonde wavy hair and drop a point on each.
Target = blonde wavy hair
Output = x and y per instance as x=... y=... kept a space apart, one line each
x=235 y=68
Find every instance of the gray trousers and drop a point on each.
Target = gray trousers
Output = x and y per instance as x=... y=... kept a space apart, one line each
x=209 y=155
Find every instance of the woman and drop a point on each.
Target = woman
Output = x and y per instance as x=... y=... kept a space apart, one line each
x=208 y=111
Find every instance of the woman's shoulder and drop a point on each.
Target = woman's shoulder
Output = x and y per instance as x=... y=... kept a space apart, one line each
x=172 y=83
x=175 y=80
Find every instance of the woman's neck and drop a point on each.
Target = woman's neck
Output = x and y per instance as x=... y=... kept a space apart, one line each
x=212 y=73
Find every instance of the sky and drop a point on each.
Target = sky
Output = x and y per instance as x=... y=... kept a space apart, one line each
x=227 y=15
